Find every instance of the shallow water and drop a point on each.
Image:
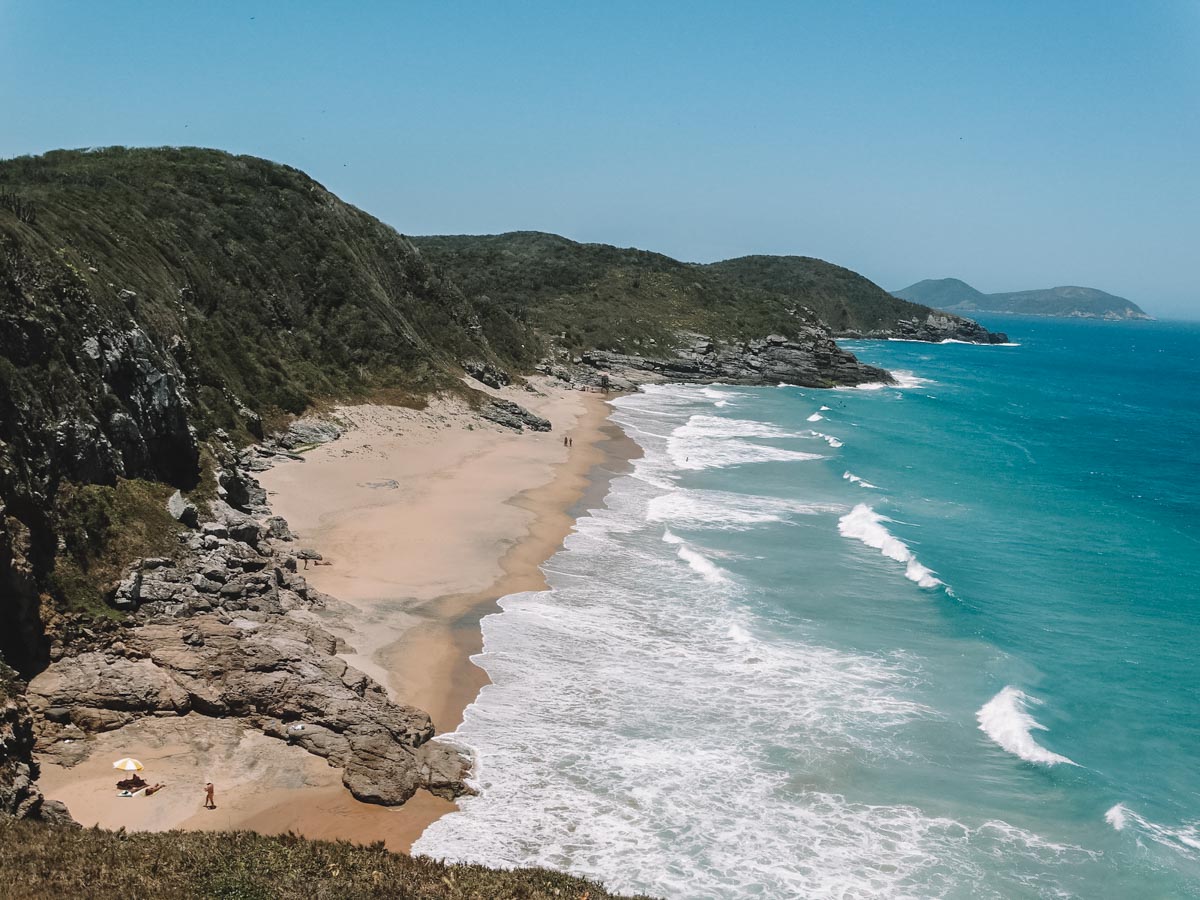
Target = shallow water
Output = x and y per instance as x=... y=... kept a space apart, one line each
x=933 y=640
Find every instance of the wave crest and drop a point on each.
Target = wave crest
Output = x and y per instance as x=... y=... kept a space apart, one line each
x=1006 y=720
x=864 y=524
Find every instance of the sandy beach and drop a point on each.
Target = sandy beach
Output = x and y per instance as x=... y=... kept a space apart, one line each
x=424 y=519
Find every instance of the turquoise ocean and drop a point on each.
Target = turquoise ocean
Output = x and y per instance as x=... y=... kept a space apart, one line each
x=931 y=640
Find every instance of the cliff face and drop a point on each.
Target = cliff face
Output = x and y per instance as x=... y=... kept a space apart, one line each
x=19 y=795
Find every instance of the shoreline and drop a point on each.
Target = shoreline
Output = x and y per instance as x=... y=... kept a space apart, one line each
x=428 y=663
x=453 y=622
x=425 y=519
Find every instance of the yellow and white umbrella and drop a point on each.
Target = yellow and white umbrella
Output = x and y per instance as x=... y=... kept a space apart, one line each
x=128 y=764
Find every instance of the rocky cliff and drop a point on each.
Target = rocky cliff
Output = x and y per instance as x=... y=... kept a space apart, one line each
x=935 y=327
x=810 y=360
x=227 y=626
x=19 y=795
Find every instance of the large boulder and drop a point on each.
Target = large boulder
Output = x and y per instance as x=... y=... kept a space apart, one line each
x=510 y=415
x=183 y=510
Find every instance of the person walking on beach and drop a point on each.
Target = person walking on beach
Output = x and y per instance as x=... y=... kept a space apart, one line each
x=564 y=441
x=209 y=803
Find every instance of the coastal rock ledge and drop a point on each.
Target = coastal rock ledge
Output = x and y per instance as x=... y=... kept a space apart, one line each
x=935 y=328
x=810 y=359
x=229 y=628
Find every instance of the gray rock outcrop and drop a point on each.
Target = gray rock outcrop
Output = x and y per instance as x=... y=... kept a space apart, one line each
x=19 y=795
x=182 y=510
x=937 y=327
x=810 y=359
x=486 y=373
x=226 y=628
x=511 y=415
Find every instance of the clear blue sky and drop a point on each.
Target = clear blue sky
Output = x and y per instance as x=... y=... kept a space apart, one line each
x=1012 y=144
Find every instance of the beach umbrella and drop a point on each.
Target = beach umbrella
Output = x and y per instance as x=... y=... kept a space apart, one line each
x=128 y=764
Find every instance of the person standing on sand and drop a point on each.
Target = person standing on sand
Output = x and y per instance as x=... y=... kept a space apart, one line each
x=208 y=796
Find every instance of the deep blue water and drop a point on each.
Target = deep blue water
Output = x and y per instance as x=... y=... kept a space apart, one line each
x=939 y=641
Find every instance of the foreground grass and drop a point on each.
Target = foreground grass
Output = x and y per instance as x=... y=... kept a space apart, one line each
x=39 y=860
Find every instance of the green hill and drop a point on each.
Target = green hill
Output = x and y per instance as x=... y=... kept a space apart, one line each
x=1070 y=302
x=844 y=300
x=1074 y=302
x=595 y=296
x=943 y=293
x=634 y=301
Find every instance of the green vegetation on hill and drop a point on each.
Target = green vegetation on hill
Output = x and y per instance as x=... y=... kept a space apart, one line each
x=38 y=861
x=943 y=293
x=1073 y=302
x=268 y=290
x=842 y=299
x=151 y=297
x=599 y=296
x=587 y=296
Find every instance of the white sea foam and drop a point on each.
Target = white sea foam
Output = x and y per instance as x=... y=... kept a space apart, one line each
x=825 y=409
x=1006 y=720
x=738 y=634
x=815 y=417
x=646 y=727
x=829 y=439
x=728 y=511
x=1116 y=817
x=896 y=340
x=1184 y=839
x=904 y=380
x=713 y=442
x=864 y=524
x=699 y=563
x=854 y=479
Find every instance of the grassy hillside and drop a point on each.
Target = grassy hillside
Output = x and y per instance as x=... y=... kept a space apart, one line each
x=149 y=298
x=38 y=861
x=609 y=298
x=842 y=299
x=267 y=288
x=943 y=293
x=589 y=296
x=1065 y=301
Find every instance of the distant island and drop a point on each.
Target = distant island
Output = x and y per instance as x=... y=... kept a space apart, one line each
x=955 y=295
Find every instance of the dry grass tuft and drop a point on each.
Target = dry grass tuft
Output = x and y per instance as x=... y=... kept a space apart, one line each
x=38 y=861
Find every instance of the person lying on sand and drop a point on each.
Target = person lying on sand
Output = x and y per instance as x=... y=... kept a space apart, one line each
x=155 y=788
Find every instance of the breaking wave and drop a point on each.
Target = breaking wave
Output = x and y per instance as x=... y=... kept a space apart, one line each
x=854 y=479
x=1006 y=720
x=864 y=524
